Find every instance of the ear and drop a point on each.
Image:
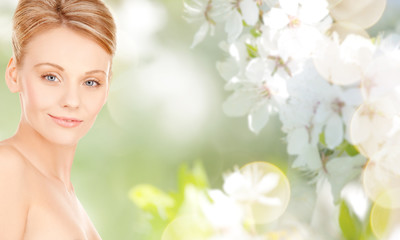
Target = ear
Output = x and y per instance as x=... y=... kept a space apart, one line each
x=11 y=76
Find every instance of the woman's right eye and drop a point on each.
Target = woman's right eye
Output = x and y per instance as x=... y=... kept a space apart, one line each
x=50 y=78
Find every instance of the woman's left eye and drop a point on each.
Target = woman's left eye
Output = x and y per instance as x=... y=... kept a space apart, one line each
x=91 y=83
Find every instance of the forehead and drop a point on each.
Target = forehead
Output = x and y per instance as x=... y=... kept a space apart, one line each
x=67 y=48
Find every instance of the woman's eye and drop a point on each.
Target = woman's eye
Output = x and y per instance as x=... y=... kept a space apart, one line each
x=51 y=78
x=91 y=83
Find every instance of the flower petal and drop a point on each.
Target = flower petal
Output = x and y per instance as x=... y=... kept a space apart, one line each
x=334 y=131
x=309 y=159
x=234 y=182
x=313 y=11
x=234 y=26
x=201 y=34
x=255 y=70
x=239 y=104
x=290 y=6
x=297 y=140
x=268 y=182
x=228 y=69
x=276 y=18
x=250 y=11
x=258 y=118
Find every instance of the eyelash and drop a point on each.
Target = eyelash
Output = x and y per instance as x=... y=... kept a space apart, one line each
x=44 y=76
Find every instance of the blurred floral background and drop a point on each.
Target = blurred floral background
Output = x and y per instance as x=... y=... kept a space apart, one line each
x=164 y=110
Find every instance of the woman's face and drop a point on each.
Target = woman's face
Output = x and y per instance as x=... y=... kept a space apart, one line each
x=63 y=84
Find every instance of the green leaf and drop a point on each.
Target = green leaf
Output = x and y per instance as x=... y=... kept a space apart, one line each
x=152 y=200
x=322 y=139
x=350 y=149
x=196 y=176
x=350 y=225
x=255 y=32
x=252 y=50
x=162 y=208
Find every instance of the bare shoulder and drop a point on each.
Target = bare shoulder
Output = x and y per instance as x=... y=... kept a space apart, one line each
x=14 y=203
x=12 y=165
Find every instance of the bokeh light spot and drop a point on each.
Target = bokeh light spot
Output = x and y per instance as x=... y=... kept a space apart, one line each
x=259 y=212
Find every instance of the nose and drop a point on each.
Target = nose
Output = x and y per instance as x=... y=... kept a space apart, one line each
x=71 y=97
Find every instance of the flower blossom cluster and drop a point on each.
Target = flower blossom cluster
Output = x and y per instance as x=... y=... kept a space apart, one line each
x=335 y=90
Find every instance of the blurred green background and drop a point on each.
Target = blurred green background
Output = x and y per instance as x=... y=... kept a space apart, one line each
x=164 y=109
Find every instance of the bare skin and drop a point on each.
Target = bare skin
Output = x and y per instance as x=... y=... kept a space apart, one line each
x=64 y=74
x=51 y=210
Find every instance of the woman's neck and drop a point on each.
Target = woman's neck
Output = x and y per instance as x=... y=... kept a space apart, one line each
x=51 y=159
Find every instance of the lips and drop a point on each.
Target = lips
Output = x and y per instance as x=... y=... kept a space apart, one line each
x=66 y=122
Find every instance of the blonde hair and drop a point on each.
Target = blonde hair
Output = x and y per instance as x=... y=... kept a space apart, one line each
x=90 y=17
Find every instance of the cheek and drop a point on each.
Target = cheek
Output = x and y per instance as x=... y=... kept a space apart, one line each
x=38 y=96
x=94 y=101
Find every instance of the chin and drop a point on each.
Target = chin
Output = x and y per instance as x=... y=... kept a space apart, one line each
x=63 y=136
x=64 y=139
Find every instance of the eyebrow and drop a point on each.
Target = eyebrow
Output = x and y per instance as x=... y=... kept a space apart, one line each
x=62 y=69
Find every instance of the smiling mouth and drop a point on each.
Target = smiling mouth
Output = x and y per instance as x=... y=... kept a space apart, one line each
x=66 y=122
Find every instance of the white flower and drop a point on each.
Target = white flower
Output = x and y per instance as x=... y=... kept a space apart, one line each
x=306 y=91
x=335 y=113
x=279 y=62
x=200 y=10
x=252 y=186
x=315 y=105
x=258 y=95
x=258 y=193
x=234 y=12
x=296 y=23
x=297 y=12
x=236 y=64
x=300 y=144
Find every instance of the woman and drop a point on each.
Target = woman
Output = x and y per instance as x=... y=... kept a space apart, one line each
x=61 y=68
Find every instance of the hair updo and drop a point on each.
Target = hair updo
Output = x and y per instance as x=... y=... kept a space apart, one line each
x=89 y=17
